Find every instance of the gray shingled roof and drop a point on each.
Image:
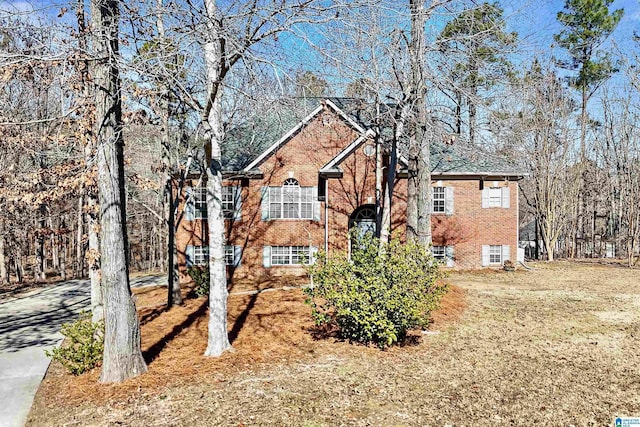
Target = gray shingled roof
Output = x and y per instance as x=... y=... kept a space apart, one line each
x=462 y=159
x=246 y=142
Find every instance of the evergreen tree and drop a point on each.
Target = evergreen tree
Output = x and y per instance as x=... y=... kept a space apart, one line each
x=587 y=24
x=479 y=39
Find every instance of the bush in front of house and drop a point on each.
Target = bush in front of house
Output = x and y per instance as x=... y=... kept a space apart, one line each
x=200 y=277
x=83 y=347
x=379 y=294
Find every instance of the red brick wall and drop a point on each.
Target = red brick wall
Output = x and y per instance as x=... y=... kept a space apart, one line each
x=472 y=226
x=316 y=144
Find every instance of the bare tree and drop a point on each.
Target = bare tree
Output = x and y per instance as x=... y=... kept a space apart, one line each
x=122 y=357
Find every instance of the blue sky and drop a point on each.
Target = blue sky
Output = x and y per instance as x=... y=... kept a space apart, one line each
x=535 y=21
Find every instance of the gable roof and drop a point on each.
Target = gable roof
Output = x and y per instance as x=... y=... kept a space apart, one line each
x=329 y=102
x=249 y=144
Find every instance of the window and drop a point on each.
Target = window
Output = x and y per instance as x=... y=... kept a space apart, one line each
x=290 y=201
x=229 y=255
x=229 y=204
x=288 y=255
x=196 y=207
x=439 y=252
x=495 y=197
x=442 y=200
x=200 y=255
x=439 y=200
x=200 y=202
x=443 y=254
x=495 y=254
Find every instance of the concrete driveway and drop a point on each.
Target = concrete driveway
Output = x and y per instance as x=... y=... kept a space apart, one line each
x=29 y=325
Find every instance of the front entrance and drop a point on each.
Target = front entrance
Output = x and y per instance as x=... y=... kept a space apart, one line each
x=363 y=219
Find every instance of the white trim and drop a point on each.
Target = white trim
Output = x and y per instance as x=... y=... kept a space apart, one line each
x=344 y=116
x=347 y=151
x=282 y=140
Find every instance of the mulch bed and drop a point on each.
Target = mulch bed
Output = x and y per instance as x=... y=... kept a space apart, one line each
x=267 y=328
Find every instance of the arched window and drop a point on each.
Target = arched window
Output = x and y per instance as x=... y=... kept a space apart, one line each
x=364 y=219
x=291 y=201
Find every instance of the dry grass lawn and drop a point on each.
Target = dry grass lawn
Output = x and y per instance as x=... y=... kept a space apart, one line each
x=557 y=346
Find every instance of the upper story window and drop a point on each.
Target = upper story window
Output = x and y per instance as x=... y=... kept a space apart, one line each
x=291 y=201
x=496 y=197
x=442 y=200
x=196 y=205
x=438 y=200
x=200 y=202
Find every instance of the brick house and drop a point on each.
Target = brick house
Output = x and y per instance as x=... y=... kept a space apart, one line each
x=312 y=177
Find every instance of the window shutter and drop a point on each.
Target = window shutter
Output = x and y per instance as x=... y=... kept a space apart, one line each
x=237 y=256
x=189 y=205
x=189 y=255
x=266 y=256
x=316 y=205
x=448 y=200
x=449 y=256
x=264 y=203
x=485 y=197
x=485 y=255
x=313 y=251
x=431 y=207
x=237 y=203
x=506 y=193
x=506 y=253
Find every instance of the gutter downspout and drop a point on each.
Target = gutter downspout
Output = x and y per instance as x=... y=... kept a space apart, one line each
x=326 y=217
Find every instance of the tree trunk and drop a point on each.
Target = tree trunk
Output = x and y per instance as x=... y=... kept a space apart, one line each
x=459 y=112
x=40 y=261
x=62 y=267
x=19 y=266
x=3 y=265
x=420 y=179
x=218 y=340
x=93 y=252
x=79 y=263
x=122 y=357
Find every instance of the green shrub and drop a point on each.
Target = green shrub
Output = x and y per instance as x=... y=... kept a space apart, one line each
x=379 y=294
x=200 y=277
x=83 y=348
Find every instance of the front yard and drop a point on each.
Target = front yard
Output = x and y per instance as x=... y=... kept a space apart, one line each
x=555 y=346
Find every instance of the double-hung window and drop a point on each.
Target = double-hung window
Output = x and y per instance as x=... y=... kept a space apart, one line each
x=495 y=254
x=442 y=200
x=291 y=201
x=444 y=254
x=439 y=200
x=197 y=255
x=439 y=252
x=196 y=205
x=200 y=202
x=496 y=197
x=288 y=255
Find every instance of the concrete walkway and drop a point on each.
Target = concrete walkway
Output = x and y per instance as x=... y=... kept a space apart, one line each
x=29 y=325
